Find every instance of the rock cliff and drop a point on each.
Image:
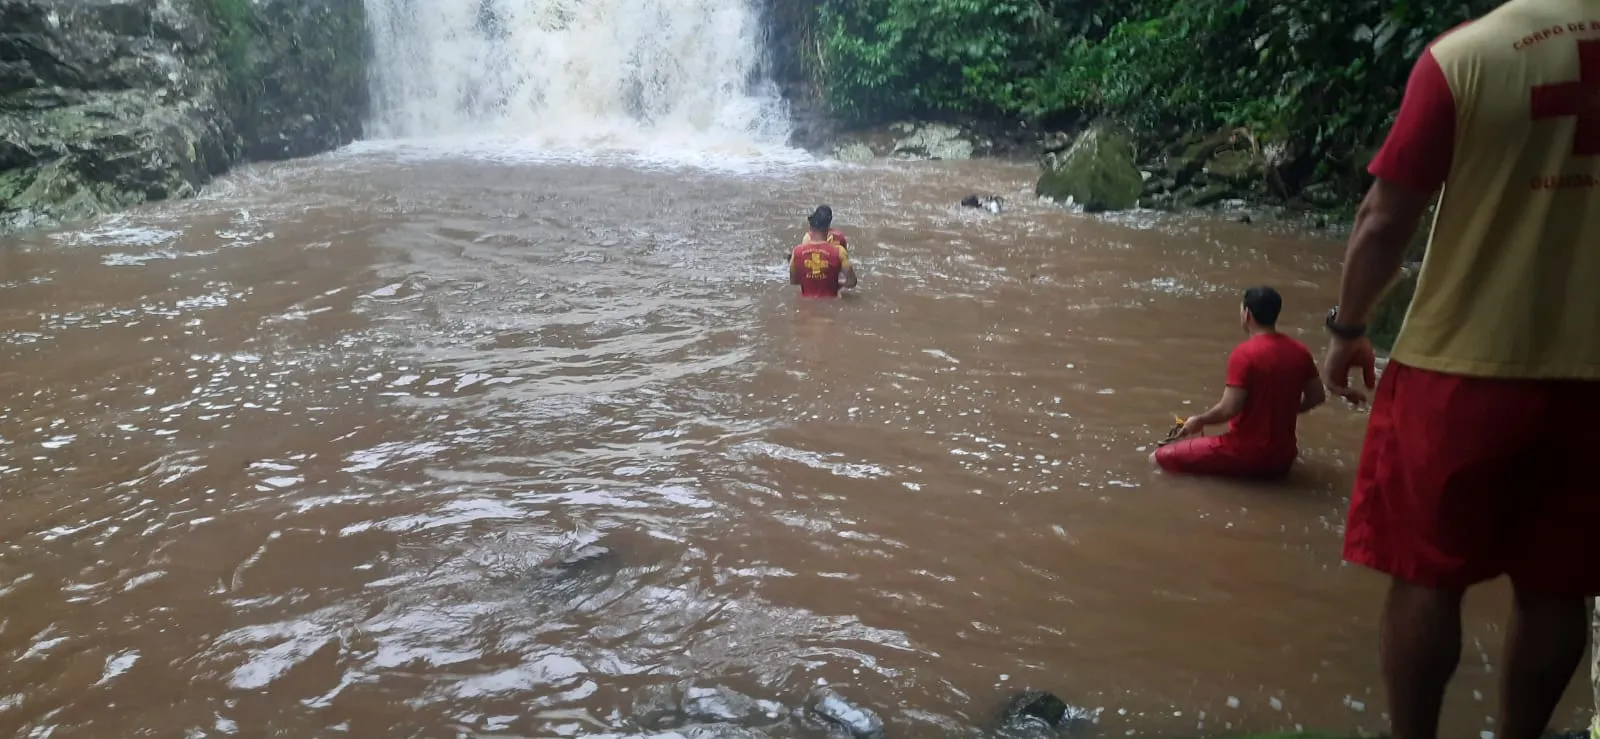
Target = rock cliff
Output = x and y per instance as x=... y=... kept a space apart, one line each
x=108 y=103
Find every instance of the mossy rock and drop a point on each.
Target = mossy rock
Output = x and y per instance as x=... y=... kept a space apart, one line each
x=1241 y=167
x=1211 y=194
x=1097 y=172
x=1197 y=152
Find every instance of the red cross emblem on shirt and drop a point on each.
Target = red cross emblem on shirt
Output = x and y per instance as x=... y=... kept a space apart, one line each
x=1580 y=98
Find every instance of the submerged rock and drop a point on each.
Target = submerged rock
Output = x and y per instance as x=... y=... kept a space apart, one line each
x=1097 y=172
x=989 y=203
x=862 y=723
x=585 y=555
x=1038 y=713
x=722 y=705
x=1036 y=704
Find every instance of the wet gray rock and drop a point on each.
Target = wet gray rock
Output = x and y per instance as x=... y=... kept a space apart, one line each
x=108 y=104
x=862 y=723
x=857 y=152
x=1036 y=713
x=582 y=556
x=933 y=141
x=310 y=88
x=1036 y=705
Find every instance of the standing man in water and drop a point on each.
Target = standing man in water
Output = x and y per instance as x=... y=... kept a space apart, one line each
x=821 y=265
x=1272 y=379
x=1478 y=459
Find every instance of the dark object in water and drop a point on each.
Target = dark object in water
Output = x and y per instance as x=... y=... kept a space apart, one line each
x=580 y=557
x=862 y=723
x=989 y=203
x=1036 y=704
x=1036 y=714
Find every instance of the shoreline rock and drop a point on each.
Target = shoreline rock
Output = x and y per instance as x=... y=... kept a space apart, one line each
x=107 y=105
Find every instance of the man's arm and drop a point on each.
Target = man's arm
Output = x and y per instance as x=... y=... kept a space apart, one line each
x=1414 y=162
x=1412 y=165
x=794 y=270
x=1231 y=405
x=847 y=271
x=1385 y=224
x=1312 y=395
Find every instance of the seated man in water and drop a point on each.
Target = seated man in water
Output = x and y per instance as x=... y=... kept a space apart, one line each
x=820 y=265
x=1272 y=379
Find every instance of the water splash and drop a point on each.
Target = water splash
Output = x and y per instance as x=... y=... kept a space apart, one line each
x=584 y=75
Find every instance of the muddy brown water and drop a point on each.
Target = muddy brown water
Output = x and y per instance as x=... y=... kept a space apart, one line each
x=289 y=460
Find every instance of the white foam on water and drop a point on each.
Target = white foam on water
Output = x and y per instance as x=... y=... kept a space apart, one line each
x=637 y=82
x=119 y=231
x=638 y=150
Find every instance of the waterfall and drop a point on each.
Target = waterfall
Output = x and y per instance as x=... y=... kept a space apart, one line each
x=582 y=74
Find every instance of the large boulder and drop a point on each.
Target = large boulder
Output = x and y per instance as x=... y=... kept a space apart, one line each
x=105 y=104
x=932 y=141
x=308 y=76
x=1097 y=172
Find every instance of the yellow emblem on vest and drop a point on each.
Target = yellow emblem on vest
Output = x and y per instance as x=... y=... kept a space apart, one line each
x=818 y=264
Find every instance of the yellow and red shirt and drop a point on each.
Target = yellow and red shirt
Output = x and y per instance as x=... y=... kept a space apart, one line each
x=819 y=265
x=835 y=236
x=1504 y=114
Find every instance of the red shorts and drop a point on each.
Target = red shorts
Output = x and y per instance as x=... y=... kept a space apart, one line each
x=1464 y=479
x=1217 y=455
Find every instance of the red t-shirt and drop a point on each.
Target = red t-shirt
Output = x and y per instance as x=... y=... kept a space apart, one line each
x=819 y=265
x=1418 y=150
x=1273 y=369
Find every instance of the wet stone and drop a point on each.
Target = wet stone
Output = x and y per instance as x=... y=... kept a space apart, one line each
x=1037 y=704
x=1036 y=713
x=581 y=557
x=862 y=723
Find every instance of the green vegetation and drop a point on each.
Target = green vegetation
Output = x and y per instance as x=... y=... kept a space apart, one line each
x=1321 y=78
x=235 y=22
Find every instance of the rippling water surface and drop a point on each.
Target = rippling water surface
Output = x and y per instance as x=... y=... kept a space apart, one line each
x=306 y=456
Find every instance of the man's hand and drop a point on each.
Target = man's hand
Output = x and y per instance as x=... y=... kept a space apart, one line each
x=1344 y=355
x=1193 y=426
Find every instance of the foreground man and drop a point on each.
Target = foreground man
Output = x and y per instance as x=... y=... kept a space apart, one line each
x=820 y=265
x=1272 y=379
x=1477 y=460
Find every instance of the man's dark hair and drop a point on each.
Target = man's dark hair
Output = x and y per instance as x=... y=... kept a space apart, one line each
x=1264 y=304
x=821 y=218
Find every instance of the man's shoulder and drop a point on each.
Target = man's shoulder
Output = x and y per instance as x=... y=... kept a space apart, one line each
x=1272 y=343
x=1291 y=353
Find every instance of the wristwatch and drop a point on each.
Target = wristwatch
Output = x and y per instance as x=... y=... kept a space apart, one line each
x=1346 y=332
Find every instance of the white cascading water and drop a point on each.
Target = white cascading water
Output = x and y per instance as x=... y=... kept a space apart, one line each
x=643 y=76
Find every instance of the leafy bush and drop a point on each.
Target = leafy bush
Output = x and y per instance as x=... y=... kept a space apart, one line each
x=1323 y=77
x=235 y=22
